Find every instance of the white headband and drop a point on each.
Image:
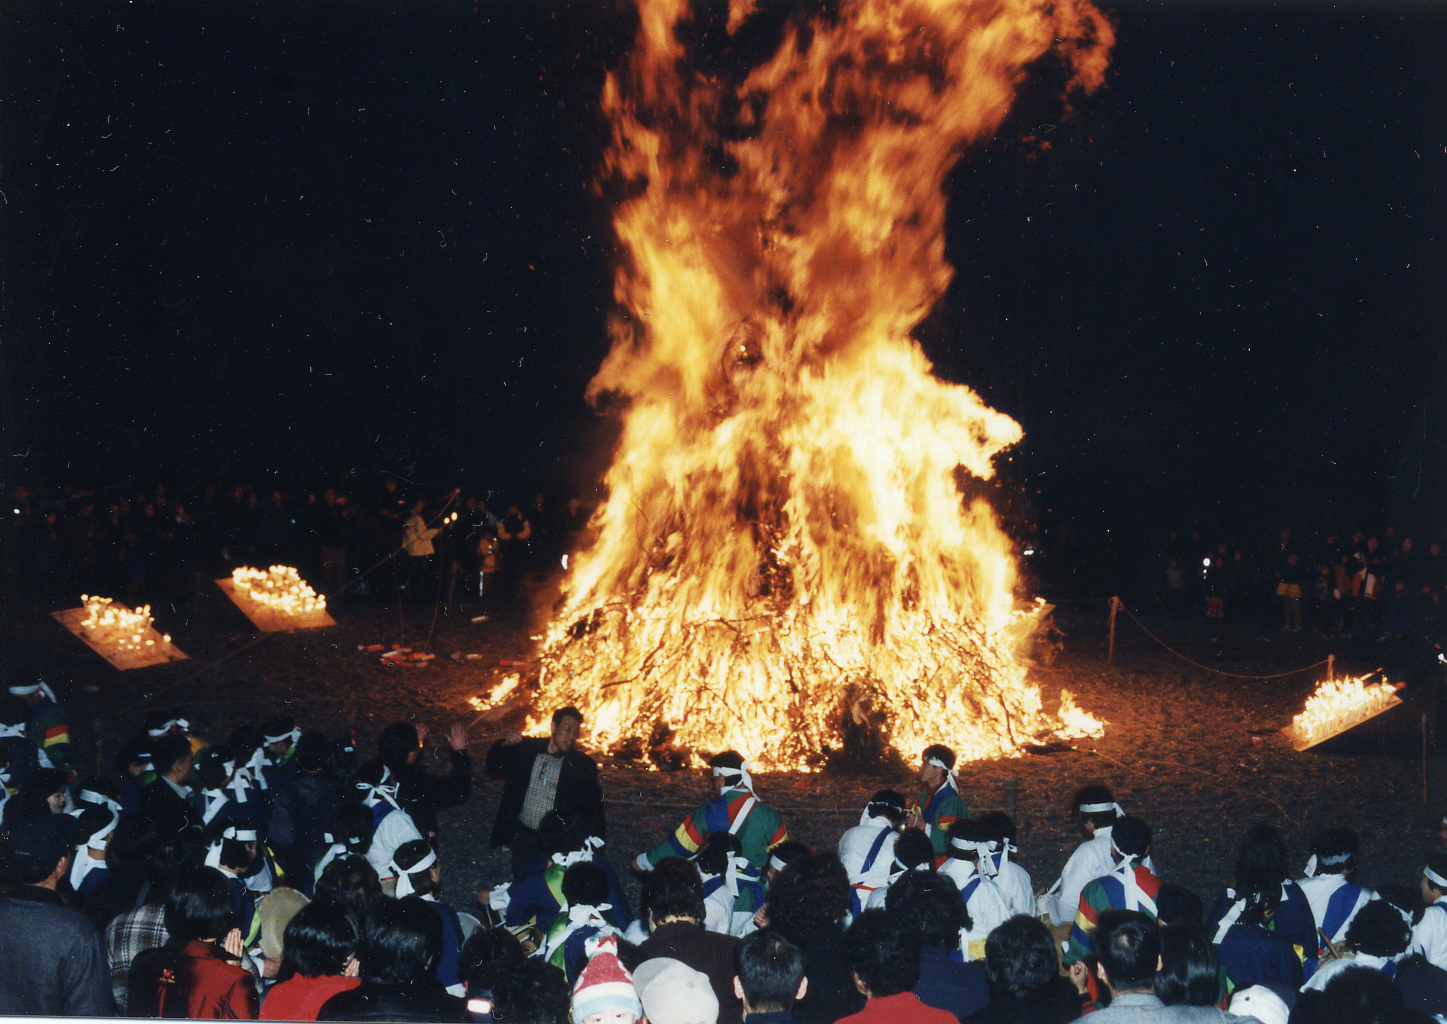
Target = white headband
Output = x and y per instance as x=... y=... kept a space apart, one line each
x=1102 y=808
x=746 y=782
x=777 y=863
x=24 y=689
x=167 y=727
x=951 y=772
x=17 y=730
x=579 y=856
x=404 y=875
x=381 y=791
x=294 y=735
x=96 y=840
x=241 y=835
x=1441 y=883
x=90 y=796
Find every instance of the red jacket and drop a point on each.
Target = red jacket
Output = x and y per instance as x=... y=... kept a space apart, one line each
x=191 y=980
x=904 y=1008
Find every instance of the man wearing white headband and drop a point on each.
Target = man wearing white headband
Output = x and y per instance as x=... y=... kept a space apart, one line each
x=1130 y=886
x=940 y=804
x=970 y=845
x=1098 y=813
x=231 y=849
x=278 y=738
x=420 y=874
x=15 y=738
x=1002 y=864
x=48 y=728
x=736 y=809
x=391 y=826
x=1330 y=884
x=1429 y=937
x=867 y=850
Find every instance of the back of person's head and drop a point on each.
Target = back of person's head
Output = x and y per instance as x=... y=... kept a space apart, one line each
x=888 y=803
x=42 y=783
x=487 y=954
x=236 y=854
x=352 y=827
x=560 y=831
x=769 y=968
x=913 y=849
x=1379 y=930
x=159 y=722
x=673 y=889
x=93 y=820
x=1363 y=995
x=786 y=853
x=168 y=751
x=399 y=942
x=211 y=769
x=1131 y=836
x=136 y=750
x=713 y=859
x=1260 y=860
x=277 y=725
x=373 y=773
x=877 y=950
x=1336 y=851
x=201 y=905
x=938 y=752
x=532 y=992
x=964 y=832
x=1127 y=944
x=319 y=940
x=727 y=759
x=244 y=741
x=1020 y=959
x=585 y=884
x=1190 y=970
x=313 y=752
x=1095 y=796
x=168 y=855
x=396 y=744
x=351 y=880
x=1175 y=904
x=998 y=826
x=928 y=905
x=97 y=785
x=410 y=859
x=13 y=709
x=813 y=890
x=1437 y=865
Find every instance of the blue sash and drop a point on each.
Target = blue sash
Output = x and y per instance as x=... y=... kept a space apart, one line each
x=379 y=811
x=1390 y=969
x=874 y=850
x=1339 y=908
x=969 y=890
x=940 y=796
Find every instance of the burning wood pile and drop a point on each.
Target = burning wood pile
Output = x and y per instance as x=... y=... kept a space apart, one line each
x=785 y=547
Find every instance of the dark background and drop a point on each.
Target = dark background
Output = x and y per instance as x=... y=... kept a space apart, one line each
x=270 y=240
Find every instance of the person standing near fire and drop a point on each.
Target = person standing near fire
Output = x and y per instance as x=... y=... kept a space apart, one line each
x=940 y=804
x=737 y=809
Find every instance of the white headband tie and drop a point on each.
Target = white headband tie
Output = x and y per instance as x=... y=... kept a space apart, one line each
x=777 y=863
x=1440 y=882
x=951 y=772
x=84 y=864
x=404 y=875
x=258 y=761
x=17 y=731
x=167 y=727
x=27 y=689
x=240 y=782
x=90 y=796
x=567 y=860
x=1102 y=808
x=294 y=735
x=381 y=791
x=746 y=780
x=241 y=835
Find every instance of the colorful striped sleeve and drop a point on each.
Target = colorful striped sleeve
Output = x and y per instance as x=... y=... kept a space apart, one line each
x=1093 y=902
x=686 y=840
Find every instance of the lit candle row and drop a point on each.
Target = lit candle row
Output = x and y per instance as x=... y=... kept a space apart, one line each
x=118 y=626
x=279 y=588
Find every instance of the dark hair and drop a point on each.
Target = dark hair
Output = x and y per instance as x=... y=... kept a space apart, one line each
x=172 y=855
x=929 y=906
x=788 y=851
x=201 y=906
x=1339 y=845
x=407 y=857
x=234 y=853
x=1131 y=836
x=940 y=751
x=92 y=820
x=566 y=712
x=1127 y=944
x=532 y=991
x=137 y=748
x=1094 y=794
x=211 y=769
x=396 y=744
x=244 y=741
x=560 y=831
x=318 y=941
x=1379 y=930
x=100 y=784
x=967 y=830
x=811 y=891
x=999 y=826
x=352 y=827
x=585 y=884
x=276 y=725
x=43 y=783
x=485 y=956
x=351 y=880
x=1437 y=864
x=157 y=719
x=13 y=709
x=1258 y=905
x=673 y=889
x=399 y=942
x=1363 y=994
x=886 y=960
x=313 y=752
x=1190 y=969
x=887 y=803
x=914 y=848
x=769 y=968
x=727 y=759
x=1260 y=861
x=1020 y=958
x=713 y=859
x=1175 y=904
x=168 y=751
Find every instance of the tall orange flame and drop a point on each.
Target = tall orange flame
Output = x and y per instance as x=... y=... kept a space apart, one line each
x=783 y=540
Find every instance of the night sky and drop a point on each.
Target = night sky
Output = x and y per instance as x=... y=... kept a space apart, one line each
x=274 y=240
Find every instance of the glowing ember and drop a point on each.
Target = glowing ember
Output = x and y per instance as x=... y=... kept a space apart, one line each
x=508 y=685
x=279 y=588
x=784 y=536
x=1339 y=704
x=109 y=624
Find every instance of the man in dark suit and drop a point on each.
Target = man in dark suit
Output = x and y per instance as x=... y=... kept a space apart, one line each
x=165 y=804
x=540 y=775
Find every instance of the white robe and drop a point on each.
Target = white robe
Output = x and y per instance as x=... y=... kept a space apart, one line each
x=1318 y=892
x=1090 y=861
x=986 y=906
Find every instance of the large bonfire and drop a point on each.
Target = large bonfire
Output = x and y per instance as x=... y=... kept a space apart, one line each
x=784 y=549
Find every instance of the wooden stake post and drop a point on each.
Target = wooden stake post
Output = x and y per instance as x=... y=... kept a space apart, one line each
x=1114 y=607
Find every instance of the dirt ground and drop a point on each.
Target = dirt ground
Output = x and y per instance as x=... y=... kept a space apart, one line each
x=1193 y=752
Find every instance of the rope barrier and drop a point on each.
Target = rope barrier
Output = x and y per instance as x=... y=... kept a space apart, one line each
x=1208 y=668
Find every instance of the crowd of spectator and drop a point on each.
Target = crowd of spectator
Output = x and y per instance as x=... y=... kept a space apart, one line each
x=279 y=875
x=148 y=545
x=1363 y=583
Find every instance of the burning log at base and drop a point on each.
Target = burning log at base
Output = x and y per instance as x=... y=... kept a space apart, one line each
x=1339 y=705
